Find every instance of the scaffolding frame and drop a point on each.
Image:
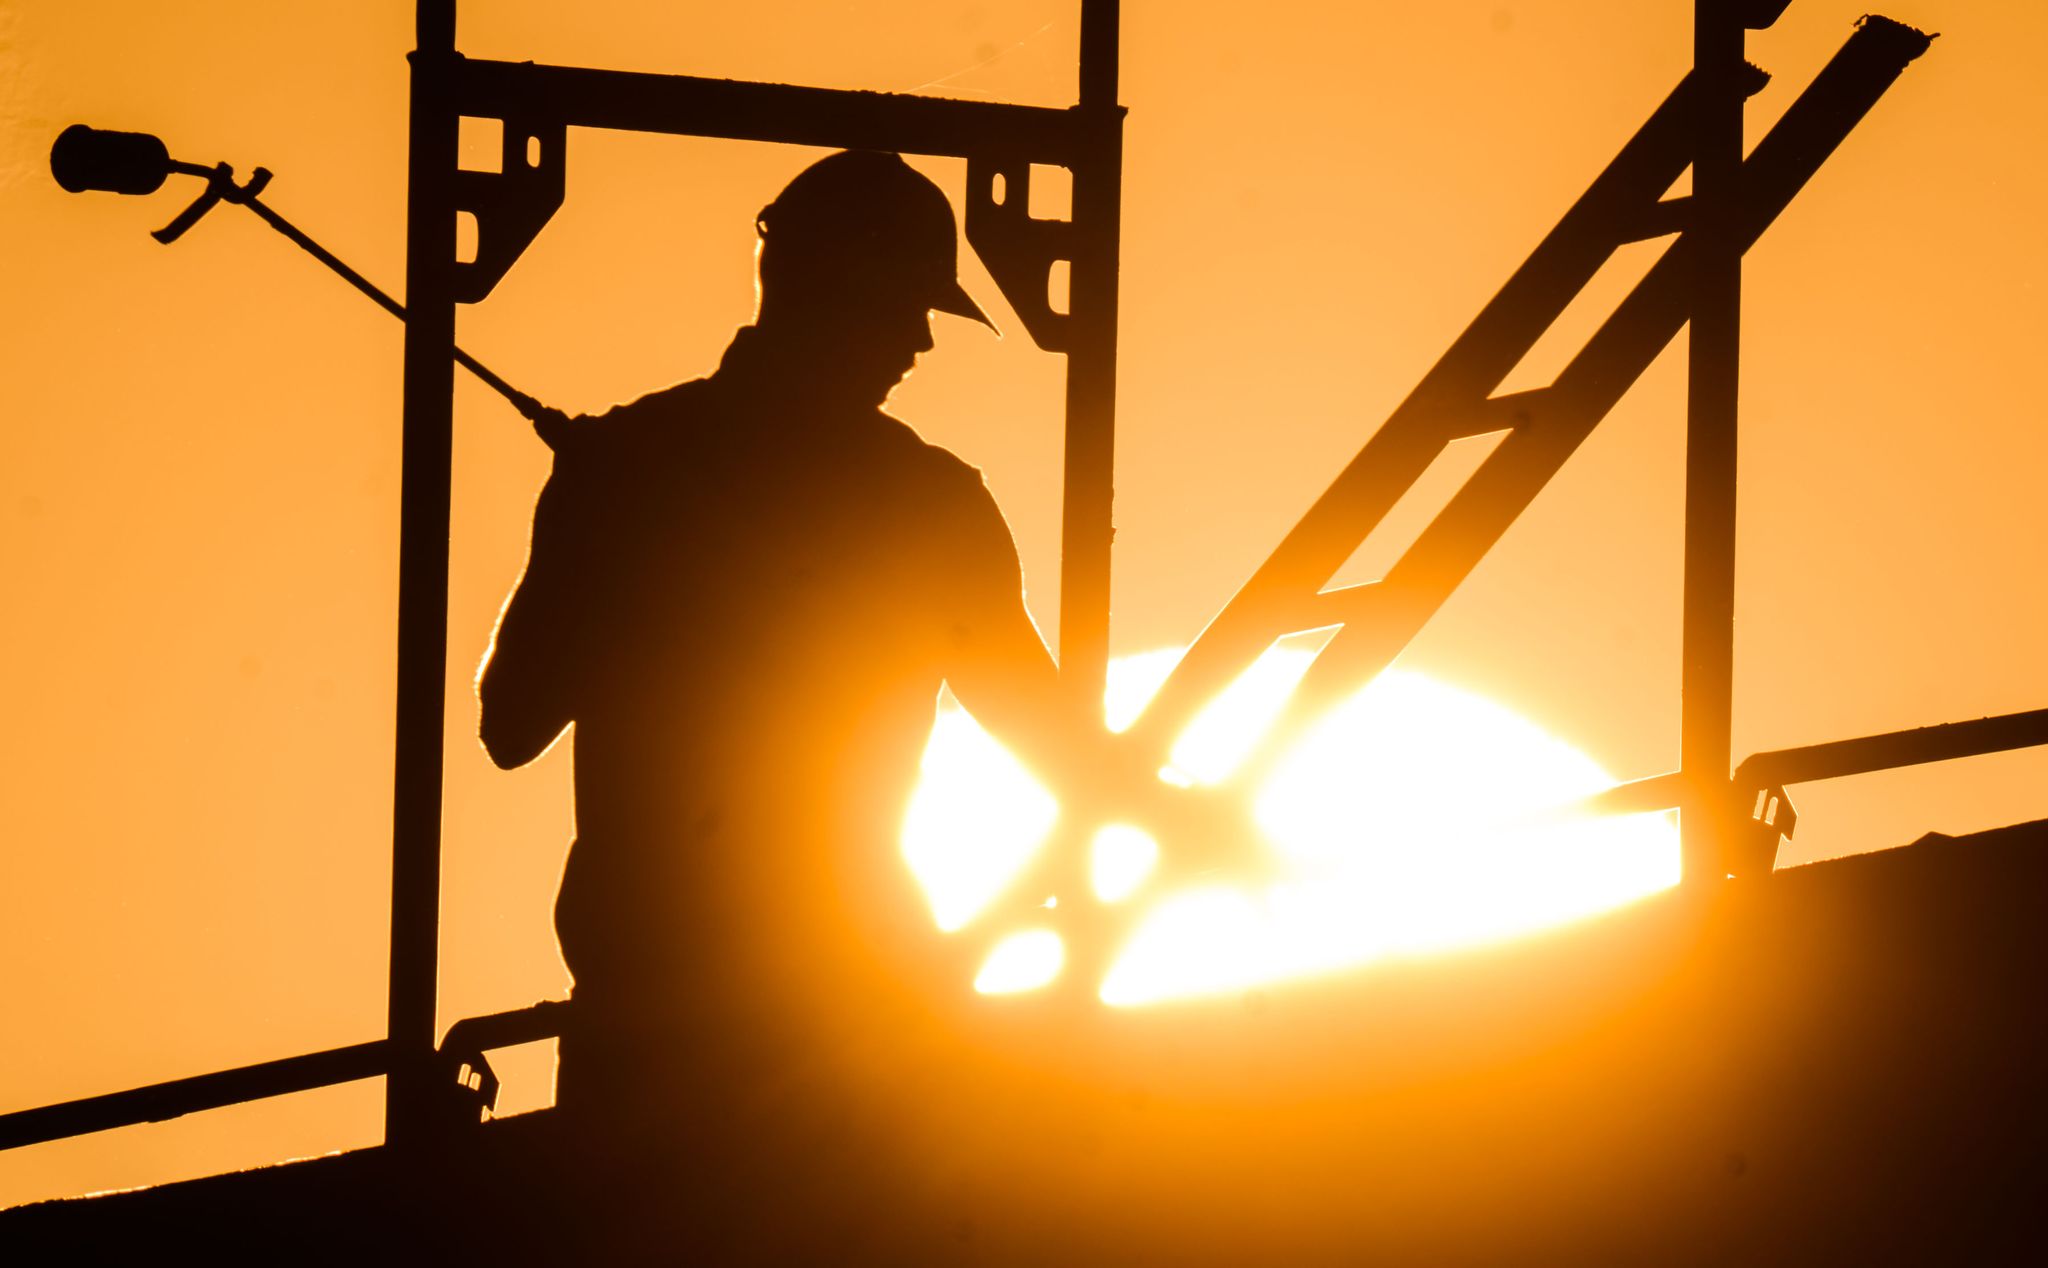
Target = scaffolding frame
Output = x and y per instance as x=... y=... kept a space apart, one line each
x=537 y=104
x=1731 y=823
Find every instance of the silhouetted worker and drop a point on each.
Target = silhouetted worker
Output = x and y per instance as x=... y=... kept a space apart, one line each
x=745 y=592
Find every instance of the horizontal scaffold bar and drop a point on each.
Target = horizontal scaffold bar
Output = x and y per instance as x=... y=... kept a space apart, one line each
x=1834 y=759
x=791 y=114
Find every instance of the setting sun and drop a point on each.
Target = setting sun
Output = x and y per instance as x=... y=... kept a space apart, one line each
x=1394 y=828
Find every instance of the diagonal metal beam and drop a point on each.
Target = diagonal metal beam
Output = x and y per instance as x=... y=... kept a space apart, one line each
x=1557 y=420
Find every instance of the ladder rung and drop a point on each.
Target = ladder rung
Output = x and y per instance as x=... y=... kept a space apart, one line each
x=1340 y=606
x=1672 y=215
x=1505 y=413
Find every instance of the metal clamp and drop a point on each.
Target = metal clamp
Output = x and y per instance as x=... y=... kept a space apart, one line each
x=470 y=1086
x=220 y=188
x=1753 y=844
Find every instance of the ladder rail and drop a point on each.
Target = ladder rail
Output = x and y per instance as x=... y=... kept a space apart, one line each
x=1449 y=395
x=1383 y=618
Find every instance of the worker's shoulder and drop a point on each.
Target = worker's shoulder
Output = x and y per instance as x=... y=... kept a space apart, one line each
x=932 y=461
x=655 y=414
x=626 y=431
x=952 y=493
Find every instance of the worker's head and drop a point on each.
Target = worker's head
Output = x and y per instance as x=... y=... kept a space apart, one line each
x=856 y=254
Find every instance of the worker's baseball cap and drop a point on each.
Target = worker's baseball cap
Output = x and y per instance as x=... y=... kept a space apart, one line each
x=869 y=215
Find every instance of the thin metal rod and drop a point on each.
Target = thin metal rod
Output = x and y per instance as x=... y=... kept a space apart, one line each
x=178 y=1097
x=422 y=578
x=1714 y=355
x=1637 y=796
x=525 y=404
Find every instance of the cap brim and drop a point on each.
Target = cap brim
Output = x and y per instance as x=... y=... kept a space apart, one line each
x=952 y=298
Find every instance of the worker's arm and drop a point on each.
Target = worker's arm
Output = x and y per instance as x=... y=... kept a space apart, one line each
x=527 y=686
x=1003 y=675
x=1000 y=670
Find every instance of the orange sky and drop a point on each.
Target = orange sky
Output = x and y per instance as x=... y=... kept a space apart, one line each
x=200 y=498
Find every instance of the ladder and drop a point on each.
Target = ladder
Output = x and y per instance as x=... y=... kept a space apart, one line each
x=1540 y=429
x=1543 y=427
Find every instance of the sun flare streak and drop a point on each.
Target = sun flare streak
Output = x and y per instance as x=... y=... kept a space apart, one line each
x=1400 y=825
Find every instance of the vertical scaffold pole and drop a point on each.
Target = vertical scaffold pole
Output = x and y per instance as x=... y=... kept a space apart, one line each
x=422 y=575
x=1087 y=523
x=1707 y=688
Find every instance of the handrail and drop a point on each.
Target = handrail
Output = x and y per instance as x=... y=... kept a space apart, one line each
x=1912 y=747
x=461 y=1054
x=1833 y=759
x=178 y=1097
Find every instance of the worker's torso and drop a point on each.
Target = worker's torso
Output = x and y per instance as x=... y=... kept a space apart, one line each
x=774 y=596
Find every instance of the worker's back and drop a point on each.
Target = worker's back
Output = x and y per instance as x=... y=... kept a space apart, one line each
x=745 y=593
x=750 y=592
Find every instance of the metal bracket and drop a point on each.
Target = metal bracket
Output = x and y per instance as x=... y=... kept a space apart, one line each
x=1772 y=817
x=512 y=204
x=1018 y=250
x=469 y=1086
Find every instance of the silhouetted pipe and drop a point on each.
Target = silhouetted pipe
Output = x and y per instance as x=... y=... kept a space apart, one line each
x=85 y=158
x=1713 y=375
x=161 y=1101
x=1087 y=513
x=528 y=406
x=426 y=468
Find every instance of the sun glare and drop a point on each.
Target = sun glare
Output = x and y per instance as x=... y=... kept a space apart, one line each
x=1121 y=857
x=1393 y=825
x=975 y=818
x=1022 y=962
